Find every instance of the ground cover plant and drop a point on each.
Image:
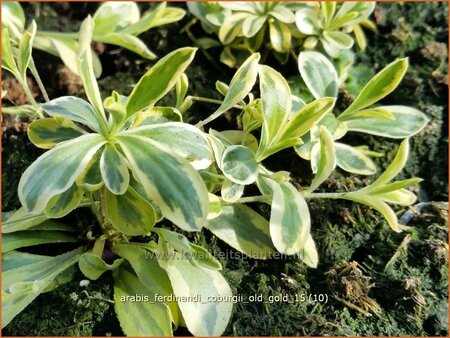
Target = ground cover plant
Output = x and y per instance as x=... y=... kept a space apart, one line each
x=281 y=27
x=128 y=184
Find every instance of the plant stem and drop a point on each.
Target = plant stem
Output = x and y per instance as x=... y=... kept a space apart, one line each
x=214 y=115
x=252 y=199
x=293 y=55
x=29 y=95
x=103 y=208
x=38 y=80
x=57 y=35
x=332 y=195
x=208 y=100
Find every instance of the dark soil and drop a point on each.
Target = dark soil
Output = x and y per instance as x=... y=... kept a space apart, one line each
x=370 y=280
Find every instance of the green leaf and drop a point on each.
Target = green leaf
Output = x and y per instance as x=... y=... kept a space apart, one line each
x=282 y=13
x=61 y=204
x=243 y=229
x=8 y=61
x=75 y=109
x=114 y=170
x=47 y=133
x=307 y=117
x=159 y=80
x=22 y=239
x=115 y=105
x=231 y=191
x=276 y=105
x=353 y=160
x=86 y=70
x=360 y=9
x=327 y=159
x=218 y=142
x=91 y=178
x=227 y=57
x=141 y=191
x=20 y=221
x=146 y=317
x=181 y=88
x=252 y=24
x=215 y=206
x=338 y=39
x=204 y=258
x=306 y=20
x=239 y=165
x=13 y=17
x=55 y=171
x=149 y=272
x=406 y=122
x=399 y=197
x=172 y=183
x=231 y=28
x=393 y=169
x=22 y=285
x=237 y=6
x=16 y=259
x=328 y=9
x=335 y=127
x=241 y=137
x=25 y=47
x=280 y=36
x=51 y=225
x=203 y=317
x=319 y=74
x=241 y=84
x=156 y=115
x=175 y=240
x=146 y=266
x=340 y=21
x=161 y=15
x=129 y=42
x=280 y=145
x=383 y=83
x=65 y=48
x=201 y=9
x=377 y=204
x=252 y=117
x=309 y=254
x=290 y=221
x=360 y=37
x=183 y=139
x=394 y=186
x=93 y=266
x=130 y=213
x=113 y=16
x=25 y=110
x=374 y=113
x=331 y=48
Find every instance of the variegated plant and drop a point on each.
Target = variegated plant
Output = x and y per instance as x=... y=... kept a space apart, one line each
x=116 y=23
x=327 y=24
x=132 y=163
x=284 y=121
x=283 y=28
x=246 y=27
x=392 y=121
